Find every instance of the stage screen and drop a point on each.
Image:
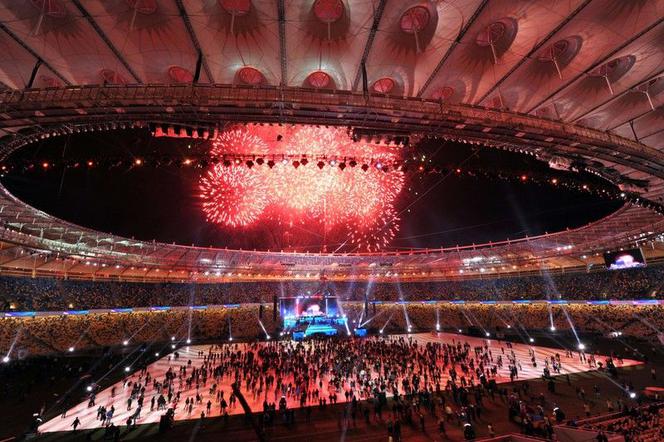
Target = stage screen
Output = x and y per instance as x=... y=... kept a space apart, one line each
x=625 y=259
x=313 y=305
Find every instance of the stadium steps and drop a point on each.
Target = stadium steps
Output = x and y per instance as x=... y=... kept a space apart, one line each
x=39 y=341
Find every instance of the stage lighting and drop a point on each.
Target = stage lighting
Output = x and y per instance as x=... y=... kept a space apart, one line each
x=71 y=349
x=487 y=334
x=632 y=395
x=460 y=331
x=173 y=346
x=437 y=327
x=380 y=331
x=188 y=341
x=270 y=164
x=320 y=164
x=268 y=337
x=89 y=388
x=582 y=346
x=230 y=339
x=157 y=354
x=552 y=328
x=172 y=338
x=531 y=340
x=249 y=164
x=5 y=359
x=127 y=369
x=509 y=326
x=125 y=342
x=138 y=161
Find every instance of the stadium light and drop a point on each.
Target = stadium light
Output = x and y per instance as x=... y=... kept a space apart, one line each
x=632 y=395
x=188 y=341
x=71 y=349
x=487 y=334
x=5 y=359
x=89 y=388
x=531 y=339
x=127 y=369
x=552 y=328
x=125 y=342
x=582 y=346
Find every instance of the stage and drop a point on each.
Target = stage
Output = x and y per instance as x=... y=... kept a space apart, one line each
x=87 y=415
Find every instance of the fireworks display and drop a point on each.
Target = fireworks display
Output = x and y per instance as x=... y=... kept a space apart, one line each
x=358 y=202
x=234 y=196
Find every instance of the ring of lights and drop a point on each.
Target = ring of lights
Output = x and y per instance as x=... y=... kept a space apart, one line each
x=49 y=111
x=35 y=114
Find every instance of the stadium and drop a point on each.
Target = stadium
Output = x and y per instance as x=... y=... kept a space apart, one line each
x=361 y=220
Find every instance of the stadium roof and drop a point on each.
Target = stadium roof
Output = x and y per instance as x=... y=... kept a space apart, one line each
x=577 y=80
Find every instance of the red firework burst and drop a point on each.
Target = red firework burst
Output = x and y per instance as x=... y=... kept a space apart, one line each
x=353 y=199
x=238 y=140
x=234 y=196
x=375 y=234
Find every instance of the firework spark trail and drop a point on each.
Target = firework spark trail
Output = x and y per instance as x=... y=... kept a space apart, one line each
x=234 y=196
x=358 y=200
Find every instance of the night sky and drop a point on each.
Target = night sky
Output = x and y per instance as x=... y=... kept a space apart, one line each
x=161 y=203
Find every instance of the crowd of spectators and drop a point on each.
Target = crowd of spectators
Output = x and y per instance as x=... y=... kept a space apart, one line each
x=157 y=331
x=635 y=425
x=60 y=333
x=46 y=294
x=450 y=383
